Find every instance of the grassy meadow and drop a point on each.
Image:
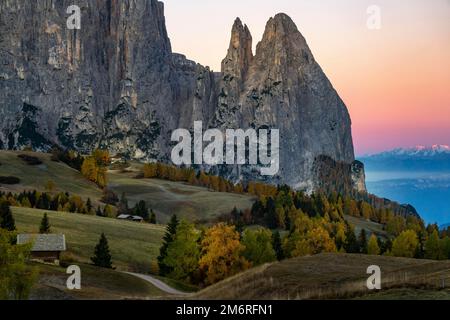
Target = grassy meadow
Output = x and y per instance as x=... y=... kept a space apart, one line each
x=335 y=276
x=97 y=284
x=134 y=246
x=167 y=198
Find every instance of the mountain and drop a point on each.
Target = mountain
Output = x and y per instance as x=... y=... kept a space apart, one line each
x=419 y=176
x=424 y=159
x=117 y=84
x=418 y=151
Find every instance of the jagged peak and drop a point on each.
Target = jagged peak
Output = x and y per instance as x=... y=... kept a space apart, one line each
x=280 y=25
x=285 y=20
x=240 y=35
x=240 y=53
x=238 y=23
x=281 y=36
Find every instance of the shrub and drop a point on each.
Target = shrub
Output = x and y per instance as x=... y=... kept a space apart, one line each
x=30 y=160
x=9 y=180
x=109 y=197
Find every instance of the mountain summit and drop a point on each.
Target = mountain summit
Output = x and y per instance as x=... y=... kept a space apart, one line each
x=117 y=84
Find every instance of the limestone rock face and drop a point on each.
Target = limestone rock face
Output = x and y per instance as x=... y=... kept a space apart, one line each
x=285 y=88
x=116 y=83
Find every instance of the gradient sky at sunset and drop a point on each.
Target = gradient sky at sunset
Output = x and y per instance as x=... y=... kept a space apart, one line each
x=395 y=81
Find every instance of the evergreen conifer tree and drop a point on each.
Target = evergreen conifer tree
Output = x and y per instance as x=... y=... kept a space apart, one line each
x=102 y=255
x=277 y=245
x=45 y=225
x=171 y=230
x=6 y=218
x=363 y=241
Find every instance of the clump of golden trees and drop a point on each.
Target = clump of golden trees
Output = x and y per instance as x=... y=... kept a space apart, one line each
x=95 y=167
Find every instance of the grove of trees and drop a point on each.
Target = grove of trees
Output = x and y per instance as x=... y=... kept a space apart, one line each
x=95 y=167
x=16 y=277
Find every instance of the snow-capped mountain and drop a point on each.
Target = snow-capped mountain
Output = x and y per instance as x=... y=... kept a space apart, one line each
x=435 y=158
x=418 y=151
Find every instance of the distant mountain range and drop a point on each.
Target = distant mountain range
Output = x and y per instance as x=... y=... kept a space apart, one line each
x=419 y=176
x=424 y=159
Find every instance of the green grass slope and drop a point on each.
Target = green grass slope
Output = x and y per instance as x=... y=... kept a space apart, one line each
x=335 y=276
x=370 y=226
x=96 y=284
x=168 y=198
x=165 y=197
x=35 y=177
x=134 y=246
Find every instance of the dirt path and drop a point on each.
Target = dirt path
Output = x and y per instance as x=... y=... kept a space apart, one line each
x=158 y=283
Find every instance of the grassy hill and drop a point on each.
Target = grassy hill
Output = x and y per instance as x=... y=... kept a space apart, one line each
x=35 y=177
x=134 y=246
x=331 y=276
x=96 y=284
x=369 y=226
x=167 y=198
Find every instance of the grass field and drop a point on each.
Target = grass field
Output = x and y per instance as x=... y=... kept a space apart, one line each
x=164 y=197
x=369 y=226
x=336 y=276
x=167 y=198
x=97 y=284
x=35 y=177
x=134 y=246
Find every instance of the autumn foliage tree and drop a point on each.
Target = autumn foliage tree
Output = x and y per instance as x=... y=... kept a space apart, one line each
x=320 y=241
x=222 y=254
x=433 y=247
x=373 y=247
x=405 y=244
x=95 y=167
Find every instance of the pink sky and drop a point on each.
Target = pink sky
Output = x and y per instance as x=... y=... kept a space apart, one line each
x=395 y=81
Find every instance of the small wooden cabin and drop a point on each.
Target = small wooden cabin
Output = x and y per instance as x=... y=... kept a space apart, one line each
x=130 y=218
x=46 y=247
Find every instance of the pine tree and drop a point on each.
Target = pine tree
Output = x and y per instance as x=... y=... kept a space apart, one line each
x=89 y=205
x=102 y=255
x=6 y=218
x=141 y=210
x=171 y=230
x=363 y=241
x=123 y=204
x=270 y=215
x=45 y=225
x=277 y=245
x=152 y=217
x=351 y=244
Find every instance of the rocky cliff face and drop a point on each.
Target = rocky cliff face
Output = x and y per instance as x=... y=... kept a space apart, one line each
x=116 y=83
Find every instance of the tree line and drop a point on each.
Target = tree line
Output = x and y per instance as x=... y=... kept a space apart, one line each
x=205 y=255
x=65 y=202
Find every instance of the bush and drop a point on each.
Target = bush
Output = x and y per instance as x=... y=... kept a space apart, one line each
x=9 y=180
x=109 y=197
x=32 y=161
